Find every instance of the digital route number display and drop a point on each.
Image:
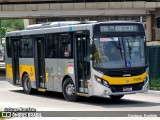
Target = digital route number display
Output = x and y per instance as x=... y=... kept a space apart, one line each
x=119 y=28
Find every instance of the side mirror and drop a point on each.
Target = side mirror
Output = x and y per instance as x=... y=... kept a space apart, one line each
x=92 y=57
x=91 y=52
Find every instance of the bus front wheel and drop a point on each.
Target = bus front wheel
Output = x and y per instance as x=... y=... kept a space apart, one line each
x=116 y=97
x=69 y=90
x=27 y=84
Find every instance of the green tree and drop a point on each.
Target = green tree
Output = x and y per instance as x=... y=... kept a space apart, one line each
x=11 y=25
x=3 y=31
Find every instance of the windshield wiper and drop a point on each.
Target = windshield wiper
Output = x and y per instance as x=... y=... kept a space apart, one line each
x=116 y=45
x=130 y=48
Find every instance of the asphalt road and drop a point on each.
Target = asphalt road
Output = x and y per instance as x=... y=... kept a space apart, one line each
x=12 y=96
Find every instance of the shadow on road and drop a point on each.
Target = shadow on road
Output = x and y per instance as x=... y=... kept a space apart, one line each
x=95 y=101
x=123 y=103
x=48 y=94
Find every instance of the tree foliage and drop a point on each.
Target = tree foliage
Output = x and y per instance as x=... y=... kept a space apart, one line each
x=11 y=25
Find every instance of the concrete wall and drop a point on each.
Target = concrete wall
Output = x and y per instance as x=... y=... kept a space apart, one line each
x=82 y=9
x=79 y=6
x=76 y=9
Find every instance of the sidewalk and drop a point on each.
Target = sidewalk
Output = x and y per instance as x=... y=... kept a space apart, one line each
x=153 y=92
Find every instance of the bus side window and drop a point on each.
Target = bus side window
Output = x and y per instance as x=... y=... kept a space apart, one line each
x=8 y=44
x=51 y=46
x=26 y=47
x=65 y=46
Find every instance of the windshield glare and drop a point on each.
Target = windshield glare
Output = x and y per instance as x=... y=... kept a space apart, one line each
x=119 y=52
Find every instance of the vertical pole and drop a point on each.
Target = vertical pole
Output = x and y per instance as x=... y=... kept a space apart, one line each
x=157 y=14
x=148 y=27
x=141 y=19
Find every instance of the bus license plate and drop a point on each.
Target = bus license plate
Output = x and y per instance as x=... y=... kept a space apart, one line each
x=126 y=89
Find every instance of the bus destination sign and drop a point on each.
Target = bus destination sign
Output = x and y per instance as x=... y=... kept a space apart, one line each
x=119 y=28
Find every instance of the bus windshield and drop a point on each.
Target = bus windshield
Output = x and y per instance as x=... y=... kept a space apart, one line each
x=119 y=52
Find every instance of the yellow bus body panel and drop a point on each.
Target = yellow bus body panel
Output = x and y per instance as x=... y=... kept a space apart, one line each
x=125 y=80
x=29 y=69
x=41 y=90
x=46 y=77
x=9 y=72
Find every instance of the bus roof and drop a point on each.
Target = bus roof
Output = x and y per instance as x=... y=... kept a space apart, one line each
x=57 y=24
x=63 y=24
x=67 y=23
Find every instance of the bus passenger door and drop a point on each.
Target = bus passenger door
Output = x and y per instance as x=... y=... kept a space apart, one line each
x=40 y=62
x=15 y=61
x=82 y=61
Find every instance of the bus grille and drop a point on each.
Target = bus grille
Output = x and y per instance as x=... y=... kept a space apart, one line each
x=120 y=73
x=119 y=88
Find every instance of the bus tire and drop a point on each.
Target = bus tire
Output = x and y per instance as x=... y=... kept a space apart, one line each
x=27 y=84
x=116 y=97
x=69 y=90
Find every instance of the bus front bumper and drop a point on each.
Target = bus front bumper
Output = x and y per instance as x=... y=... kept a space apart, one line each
x=103 y=91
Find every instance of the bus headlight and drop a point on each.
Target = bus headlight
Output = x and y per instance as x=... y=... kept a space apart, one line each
x=101 y=81
x=146 y=80
x=105 y=83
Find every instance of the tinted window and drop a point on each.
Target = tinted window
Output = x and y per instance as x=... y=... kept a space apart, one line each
x=8 y=45
x=26 y=47
x=51 y=46
x=65 y=45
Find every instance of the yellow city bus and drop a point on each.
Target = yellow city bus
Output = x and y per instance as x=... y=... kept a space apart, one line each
x=79 y=58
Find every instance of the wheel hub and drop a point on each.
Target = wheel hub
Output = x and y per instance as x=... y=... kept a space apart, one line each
x=70 y=90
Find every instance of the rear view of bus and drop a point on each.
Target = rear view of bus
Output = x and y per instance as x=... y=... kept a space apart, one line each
x=119 y=64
